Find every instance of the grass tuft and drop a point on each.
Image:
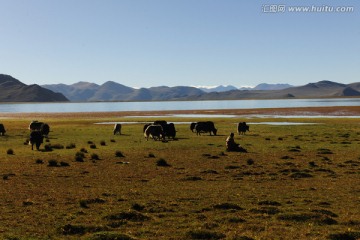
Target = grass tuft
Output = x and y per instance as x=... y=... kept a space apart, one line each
x=10 y=151
x=162 y=163
x=204 y=234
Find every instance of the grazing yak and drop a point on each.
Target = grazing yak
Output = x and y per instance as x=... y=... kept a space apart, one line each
x=117 y=128
x=242 y=127
x=44 y=128
x=192 y=126
x=168 y=128
x=204 y=127
x=2 y=129
x=36 y=138
x=154 y=131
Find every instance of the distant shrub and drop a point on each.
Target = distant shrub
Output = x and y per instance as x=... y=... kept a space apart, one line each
x=10 y=151
x=227 y=206
x=48 y=147
x=71 y=146
x=344 y=236
x=79 y=159
x=112 y=140
x=70 y=229
x=80 y=154
x=110 y=235
x=324 y=151
x=83 y=150
x=83 y=204
x=90 y=142
x=94 y=156
x=92 y=146
x=119 y=154
x=102 y=143
x=151 y=155
x=52 y=163
x=162 y=163
x=64 y=164
x=130 y=216
x=57 y=146
x=39 y=161
x=250 y=162
x=138 y=207
x=204 y=234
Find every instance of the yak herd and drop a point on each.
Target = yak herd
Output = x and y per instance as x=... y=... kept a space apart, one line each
x=158 y=130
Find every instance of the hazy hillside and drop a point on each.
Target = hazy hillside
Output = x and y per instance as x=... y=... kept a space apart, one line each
x=220 y=88
x=12 y=90
x=261 y=86
x=266 y=86
x=112 y=91
x=320 y=89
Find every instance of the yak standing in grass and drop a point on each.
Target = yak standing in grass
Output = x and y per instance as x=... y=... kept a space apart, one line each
x=192 y=126
x=36 y=138
x=154 y=131
x=117 y=128
x=204 y=127
x=168 y=128
x=44 y=128
x=2 y=129
x=242 y=127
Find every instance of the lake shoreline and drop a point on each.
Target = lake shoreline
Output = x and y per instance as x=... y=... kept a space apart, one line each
x=299 y=111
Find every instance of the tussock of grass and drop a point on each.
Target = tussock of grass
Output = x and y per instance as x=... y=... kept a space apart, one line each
x=324 y=151
x=39 y=161
x=204 y=234
x=110 y=236
x=119 y=154
x=130 y=216
x=10 y=151
x=344 y=236
x=70 y=229
x=315 y=218
x=266 y=210
x=53 y=163
x=70 y=146
x=270 y=203
x=162 y=163
x=227 y=206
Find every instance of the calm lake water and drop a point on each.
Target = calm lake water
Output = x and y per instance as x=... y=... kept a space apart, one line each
x=173 y=105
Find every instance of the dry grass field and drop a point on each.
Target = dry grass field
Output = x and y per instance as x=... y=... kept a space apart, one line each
x=295 y=181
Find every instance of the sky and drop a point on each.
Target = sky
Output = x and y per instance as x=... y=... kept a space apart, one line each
x=146 y=43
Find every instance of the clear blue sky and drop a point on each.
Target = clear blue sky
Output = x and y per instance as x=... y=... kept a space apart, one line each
x=144 y=43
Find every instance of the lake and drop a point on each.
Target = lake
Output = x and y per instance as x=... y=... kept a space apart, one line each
x=173 y=105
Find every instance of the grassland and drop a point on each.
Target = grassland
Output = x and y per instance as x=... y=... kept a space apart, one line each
x=295 y=181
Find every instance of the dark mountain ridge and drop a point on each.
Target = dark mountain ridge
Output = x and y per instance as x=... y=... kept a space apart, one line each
x=112 y=91
x=12 y=90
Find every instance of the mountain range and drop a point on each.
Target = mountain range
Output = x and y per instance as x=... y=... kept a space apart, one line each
x=12 y=90
x=112 y=91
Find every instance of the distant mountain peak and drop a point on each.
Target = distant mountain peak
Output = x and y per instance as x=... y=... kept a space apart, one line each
x=267 y=86
x=220 y=88
x=12 y=90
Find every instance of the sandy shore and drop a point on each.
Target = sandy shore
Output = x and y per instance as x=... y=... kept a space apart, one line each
x=306 y=111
